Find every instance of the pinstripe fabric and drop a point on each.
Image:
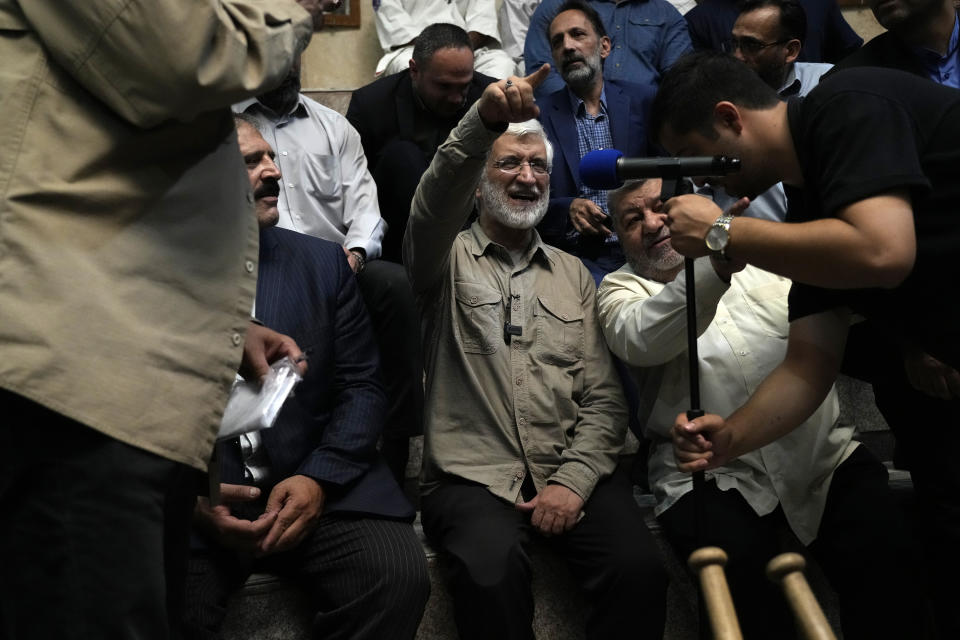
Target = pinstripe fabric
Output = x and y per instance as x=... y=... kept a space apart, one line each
x=368 y=578
x=329 y=429
x=367 y=575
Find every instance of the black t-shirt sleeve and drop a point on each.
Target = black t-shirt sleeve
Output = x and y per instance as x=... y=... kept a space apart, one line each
x=807 y=300
x=860 y=145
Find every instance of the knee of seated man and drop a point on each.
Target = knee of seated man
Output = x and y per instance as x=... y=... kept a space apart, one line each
x=491 y=565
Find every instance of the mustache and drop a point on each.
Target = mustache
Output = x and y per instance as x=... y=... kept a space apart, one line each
x=664 y=234
x=570 y=58
x=269 y=188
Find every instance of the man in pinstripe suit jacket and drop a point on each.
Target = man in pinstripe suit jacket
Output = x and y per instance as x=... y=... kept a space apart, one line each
x=311 y=496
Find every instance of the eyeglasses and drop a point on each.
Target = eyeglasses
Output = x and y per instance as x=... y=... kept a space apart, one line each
x=513 y=166
x=748 y=45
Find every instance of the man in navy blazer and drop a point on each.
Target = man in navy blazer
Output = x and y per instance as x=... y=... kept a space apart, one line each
x=311 y=496
x=585 y=115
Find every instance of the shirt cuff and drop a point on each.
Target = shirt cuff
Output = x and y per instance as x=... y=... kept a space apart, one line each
x=577 y=477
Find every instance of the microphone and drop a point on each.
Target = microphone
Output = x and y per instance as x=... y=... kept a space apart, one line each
x=608 y=169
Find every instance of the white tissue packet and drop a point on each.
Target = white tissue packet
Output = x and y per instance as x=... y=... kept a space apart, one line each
x=253 y=406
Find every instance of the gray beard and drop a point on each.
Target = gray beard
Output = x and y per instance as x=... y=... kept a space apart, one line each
x=583 y=77
x=496 y=203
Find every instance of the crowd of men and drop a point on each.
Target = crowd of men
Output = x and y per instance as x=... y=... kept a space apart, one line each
x=433 y=263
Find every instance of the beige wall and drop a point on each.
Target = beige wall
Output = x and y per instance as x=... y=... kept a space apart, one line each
x=343 y=58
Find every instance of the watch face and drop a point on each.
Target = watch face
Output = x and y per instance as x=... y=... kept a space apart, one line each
x=717 y=238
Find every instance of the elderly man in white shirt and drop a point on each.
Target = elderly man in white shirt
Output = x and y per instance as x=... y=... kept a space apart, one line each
x=399 y=22
x=830 y=492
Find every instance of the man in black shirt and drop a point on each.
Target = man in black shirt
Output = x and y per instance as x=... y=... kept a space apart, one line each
x=870 y=160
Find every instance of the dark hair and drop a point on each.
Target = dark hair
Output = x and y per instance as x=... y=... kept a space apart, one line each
x=793 y=17
x=585 y=9
x=695 y=83
x=438 y=36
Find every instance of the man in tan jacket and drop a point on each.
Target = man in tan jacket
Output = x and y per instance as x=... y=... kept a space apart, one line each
x=524 y=414
x=127 y=270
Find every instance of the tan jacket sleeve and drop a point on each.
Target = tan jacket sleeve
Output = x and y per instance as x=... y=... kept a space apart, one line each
x=444 y=199
x=152 y=61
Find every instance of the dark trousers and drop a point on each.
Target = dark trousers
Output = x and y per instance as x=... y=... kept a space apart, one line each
x=368 y=578
x=389 y=299
x=398 y=170
x=610 y=552
x=862 y=546
x=83 y=547
x=925 y=428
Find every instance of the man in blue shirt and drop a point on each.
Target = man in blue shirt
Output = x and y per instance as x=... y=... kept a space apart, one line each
x=646 y=37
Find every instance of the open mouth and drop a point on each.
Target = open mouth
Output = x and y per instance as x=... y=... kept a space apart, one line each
x=659 y=242
x=524 y=197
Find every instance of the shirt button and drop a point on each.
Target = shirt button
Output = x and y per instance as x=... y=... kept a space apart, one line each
x=248 y=265
x=743 y=353
x=519 y=382
x=473 y=300
x=249 y=197
x=522 y=421
x=563 y=315
x=283 y=153
x=290 y=184
x=236 y=339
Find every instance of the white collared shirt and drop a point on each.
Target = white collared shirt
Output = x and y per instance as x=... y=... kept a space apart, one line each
x=327 y=190
x=743 y=336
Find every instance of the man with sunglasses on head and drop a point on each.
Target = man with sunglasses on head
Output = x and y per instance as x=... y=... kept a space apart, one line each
x=524 y=415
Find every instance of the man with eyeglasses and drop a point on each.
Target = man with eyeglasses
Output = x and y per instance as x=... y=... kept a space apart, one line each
x=828 y=37
x=524 y=413
x=768 y=36
x=588 y=113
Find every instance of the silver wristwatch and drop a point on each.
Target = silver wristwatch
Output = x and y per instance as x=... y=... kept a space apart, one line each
x=718 y=236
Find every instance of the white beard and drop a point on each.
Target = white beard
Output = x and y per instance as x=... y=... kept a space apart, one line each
x=498 y=205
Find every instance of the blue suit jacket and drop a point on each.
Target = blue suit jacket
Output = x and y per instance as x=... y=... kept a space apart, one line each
x=628 y=105
x=328 y=429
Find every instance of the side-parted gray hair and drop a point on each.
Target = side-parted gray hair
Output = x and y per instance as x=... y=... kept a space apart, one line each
x=615 y=198
x=532 y=128
x=244 y=118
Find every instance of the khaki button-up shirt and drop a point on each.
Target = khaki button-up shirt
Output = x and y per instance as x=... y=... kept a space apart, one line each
x=127 y=238
x=545 y=402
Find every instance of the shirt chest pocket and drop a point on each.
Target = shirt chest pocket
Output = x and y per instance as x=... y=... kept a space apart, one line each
x=321 y=177
x=478 y=317
x=643 y=38
x=768 y=304
x=559 y=331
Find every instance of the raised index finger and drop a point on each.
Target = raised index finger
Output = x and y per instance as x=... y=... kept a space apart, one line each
x=536 y=78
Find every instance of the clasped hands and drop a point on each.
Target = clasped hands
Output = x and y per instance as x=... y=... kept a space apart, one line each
x=554 y=510
x=291 y=513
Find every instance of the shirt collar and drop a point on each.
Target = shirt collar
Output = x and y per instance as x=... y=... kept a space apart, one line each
x=481 y=243
x=580 y=108
x=791 y=84
x=932 y=58
x=253 y=105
